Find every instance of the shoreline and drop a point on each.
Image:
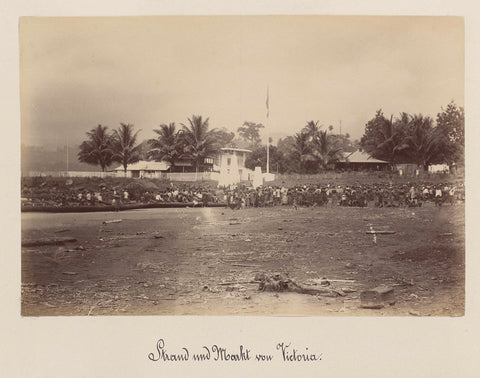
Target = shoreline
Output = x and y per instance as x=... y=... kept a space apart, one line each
x=91 y=209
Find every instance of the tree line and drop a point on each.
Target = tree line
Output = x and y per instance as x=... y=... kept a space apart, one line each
x=193 y=141
x=417 y=139
x=315 y=148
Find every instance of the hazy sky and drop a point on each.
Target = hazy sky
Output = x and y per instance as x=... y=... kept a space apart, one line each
x=77 y=73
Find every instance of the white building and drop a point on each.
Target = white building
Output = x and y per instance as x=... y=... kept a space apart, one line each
x=144 y=169
x=231 y=164
x=228 y=167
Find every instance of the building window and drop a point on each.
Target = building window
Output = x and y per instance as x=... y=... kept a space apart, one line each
x=229 y=161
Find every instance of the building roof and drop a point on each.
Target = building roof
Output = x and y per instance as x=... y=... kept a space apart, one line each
x=144 y=165
x=235 y=149
x=362 y=157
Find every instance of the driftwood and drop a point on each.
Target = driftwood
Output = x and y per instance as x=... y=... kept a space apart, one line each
x=331 y=280
x=381 y=232
x=238 y=283
x=246 y=266
x=47 y=241
x=62 y=230
x=279 y=283
x=112 y=221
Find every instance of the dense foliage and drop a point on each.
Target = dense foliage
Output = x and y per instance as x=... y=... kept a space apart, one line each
x=97 y=149
x=415 y=139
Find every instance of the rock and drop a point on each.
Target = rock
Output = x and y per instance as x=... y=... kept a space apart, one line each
x=377 y=297
x=158 y=237
x=347 y=290
x=414 y=313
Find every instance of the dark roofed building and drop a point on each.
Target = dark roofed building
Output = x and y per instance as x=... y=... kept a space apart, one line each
x=361 y=161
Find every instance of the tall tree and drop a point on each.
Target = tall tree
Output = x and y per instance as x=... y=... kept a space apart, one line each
x=344 y=141
x=303 y=152
x=250 y=132
x=312 y=129
x=224 y=138
x=167 y=146
x=424 y=142
x=451 y=124
x=199 y=141
x=258 y=158
x=97 y=149
x=326 y=149
x=124 y=145
x=384 y=138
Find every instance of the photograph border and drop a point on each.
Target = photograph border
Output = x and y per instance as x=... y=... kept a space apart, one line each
x=119 y=346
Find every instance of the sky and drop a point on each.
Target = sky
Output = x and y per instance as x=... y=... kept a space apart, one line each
x=76 y=73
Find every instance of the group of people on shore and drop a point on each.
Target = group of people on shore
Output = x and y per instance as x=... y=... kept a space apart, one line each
x=117 y=196
x=241 y=196
x=357 y=195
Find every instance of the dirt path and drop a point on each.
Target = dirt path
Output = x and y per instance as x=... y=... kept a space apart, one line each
x=203 y=261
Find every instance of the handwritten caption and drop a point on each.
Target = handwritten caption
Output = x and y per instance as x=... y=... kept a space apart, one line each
x=283 y=351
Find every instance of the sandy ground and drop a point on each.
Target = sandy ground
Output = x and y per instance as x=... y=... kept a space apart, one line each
x=203 y=260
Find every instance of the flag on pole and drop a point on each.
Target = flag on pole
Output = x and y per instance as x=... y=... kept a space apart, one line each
x=267 y=102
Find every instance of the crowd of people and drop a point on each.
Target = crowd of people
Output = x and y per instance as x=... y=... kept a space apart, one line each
x=117 y=195
x=241 y=196
x=359 y=195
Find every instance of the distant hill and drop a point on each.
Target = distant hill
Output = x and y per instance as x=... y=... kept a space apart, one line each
x=35 y=158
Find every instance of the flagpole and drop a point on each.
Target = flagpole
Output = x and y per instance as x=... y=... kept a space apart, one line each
x=67 y=155
x=268 y=135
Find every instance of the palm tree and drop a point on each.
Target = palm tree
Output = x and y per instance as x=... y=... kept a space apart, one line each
x=326 y=150
x=302 y=151
x=312 y=129
x=392 y=141
x=199 y=141
x=424 y=143
x=97 y=149
x=124 y=145
x=167 y=146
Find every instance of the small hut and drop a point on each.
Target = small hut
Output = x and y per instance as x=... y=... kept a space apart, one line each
x=361 y=161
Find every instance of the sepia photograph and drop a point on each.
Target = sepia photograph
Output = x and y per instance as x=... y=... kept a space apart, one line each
x=288 y=165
